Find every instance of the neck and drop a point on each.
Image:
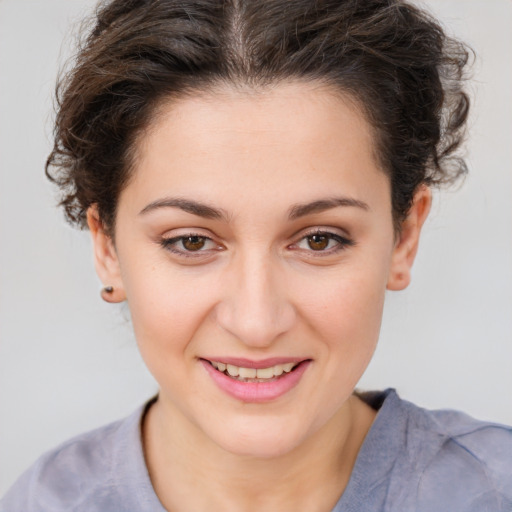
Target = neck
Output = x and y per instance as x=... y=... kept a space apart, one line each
x=309 y=478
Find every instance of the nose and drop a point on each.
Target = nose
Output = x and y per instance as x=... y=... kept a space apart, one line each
x=254 y=306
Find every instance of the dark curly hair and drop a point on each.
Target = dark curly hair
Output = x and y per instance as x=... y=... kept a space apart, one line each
x=393 y=58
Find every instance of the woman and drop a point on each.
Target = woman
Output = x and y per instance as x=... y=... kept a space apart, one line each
x=255 y=176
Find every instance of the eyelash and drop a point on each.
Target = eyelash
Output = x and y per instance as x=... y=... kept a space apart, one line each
x=343 y=243
x=169 y=244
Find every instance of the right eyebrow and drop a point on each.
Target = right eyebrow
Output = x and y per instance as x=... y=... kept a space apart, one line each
x=187 y=205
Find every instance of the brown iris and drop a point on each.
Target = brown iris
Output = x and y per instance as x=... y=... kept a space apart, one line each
x=318 y=242
x=194 y=243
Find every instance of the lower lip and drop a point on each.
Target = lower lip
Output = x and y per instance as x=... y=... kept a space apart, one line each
x=256 y=392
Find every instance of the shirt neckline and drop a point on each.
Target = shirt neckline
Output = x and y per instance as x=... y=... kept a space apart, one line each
x=378 y=452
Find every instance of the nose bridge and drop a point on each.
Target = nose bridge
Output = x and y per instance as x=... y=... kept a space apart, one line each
x=255 y=307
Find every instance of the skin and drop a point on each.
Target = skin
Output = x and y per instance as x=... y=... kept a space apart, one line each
x=257 y=289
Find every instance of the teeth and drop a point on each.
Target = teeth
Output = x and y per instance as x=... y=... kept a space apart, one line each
x=253 y=373
x=278 y=370
x=247 y=373
x=265 y=373
x=232 y=370
x=288 y=367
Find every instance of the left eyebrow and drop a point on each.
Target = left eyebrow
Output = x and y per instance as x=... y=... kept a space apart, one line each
x=300 y=210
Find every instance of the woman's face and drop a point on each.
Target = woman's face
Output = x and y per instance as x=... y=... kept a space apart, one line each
x=256 y=232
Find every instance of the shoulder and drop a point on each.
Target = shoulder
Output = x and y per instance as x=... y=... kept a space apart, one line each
x=85 y=473
x=464 y=462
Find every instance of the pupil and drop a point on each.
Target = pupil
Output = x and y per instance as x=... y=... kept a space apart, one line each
x=193 y=243
x=318 y=242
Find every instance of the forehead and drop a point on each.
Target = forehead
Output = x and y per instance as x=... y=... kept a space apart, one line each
x=300 y=138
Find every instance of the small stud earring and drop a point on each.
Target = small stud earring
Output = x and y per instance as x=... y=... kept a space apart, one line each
x=106 y=293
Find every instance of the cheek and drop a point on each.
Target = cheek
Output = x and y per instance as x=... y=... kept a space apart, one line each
x=351 y=296
x=167 y=309
x=345 y=309
x=342 y=314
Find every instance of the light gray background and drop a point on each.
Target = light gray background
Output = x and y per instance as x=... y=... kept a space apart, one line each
x=68 y=362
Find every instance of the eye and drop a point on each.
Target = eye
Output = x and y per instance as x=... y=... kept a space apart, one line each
x=324 y=242
x=193 y=243
x=187 y=245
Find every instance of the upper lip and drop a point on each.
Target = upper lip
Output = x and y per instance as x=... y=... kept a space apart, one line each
x=249 y=363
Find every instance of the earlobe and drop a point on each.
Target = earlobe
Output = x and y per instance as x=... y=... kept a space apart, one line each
x=407 y=244
x=105 y=258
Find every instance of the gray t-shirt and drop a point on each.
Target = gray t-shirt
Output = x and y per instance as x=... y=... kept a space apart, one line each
x=412 y=460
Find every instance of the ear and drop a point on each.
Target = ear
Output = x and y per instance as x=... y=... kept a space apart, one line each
x=407 y=244
x=105 y=258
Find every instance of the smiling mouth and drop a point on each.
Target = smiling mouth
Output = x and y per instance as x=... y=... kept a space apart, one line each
x=243 y=374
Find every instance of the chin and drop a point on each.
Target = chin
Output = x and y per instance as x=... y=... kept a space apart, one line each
x=252 y=437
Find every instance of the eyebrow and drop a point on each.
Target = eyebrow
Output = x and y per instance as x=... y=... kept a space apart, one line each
x=321 y=205
x=209 y=212
x=187 y=205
